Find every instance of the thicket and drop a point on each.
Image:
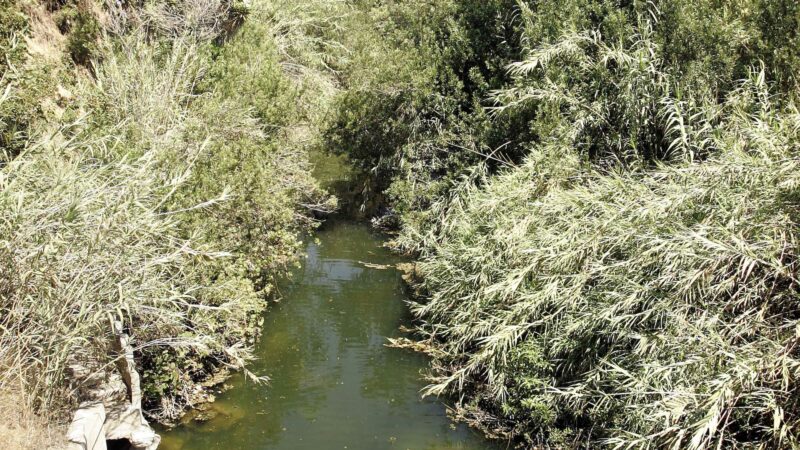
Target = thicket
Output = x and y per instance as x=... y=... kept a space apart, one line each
x=602 y=195
x=411 y=113
x=603 y=199
x=167 y=194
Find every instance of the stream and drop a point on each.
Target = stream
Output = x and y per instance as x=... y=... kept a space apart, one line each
x=333 y=382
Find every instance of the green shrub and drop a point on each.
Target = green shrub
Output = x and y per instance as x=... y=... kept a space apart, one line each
x=83 y=243
x=629 y=308
x=12 y=29
x=21 y=86
x=246 y=194
x=83 y=33
x=167 y=200
x=606 y=253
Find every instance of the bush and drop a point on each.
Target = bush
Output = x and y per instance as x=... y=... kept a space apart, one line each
x=164 y=200
x=606 y=253
x=82 y=30
x=83 y=243
x=630 y=309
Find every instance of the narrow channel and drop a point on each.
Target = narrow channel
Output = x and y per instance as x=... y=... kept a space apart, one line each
x=334 y=384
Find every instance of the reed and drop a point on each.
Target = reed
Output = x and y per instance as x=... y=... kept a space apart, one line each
x=160 y=197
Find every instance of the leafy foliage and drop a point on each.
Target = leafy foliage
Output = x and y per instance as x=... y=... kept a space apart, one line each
x=164 y=197
x=647 y=308
x=606 y=247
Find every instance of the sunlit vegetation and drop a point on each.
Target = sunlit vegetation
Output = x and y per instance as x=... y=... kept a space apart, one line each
x=157 y=190
x=602 y=196
x=603 y=199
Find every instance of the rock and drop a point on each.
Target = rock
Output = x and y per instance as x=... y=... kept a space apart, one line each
x=64 y=92
x=128 y=424
x=112 y=407
x=86 y=430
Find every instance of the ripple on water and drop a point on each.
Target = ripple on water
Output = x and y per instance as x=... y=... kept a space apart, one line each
x=334 y=384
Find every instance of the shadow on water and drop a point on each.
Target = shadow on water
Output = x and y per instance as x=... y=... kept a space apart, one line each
x=334 y=384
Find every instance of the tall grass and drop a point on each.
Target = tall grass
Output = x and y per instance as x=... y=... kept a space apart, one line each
x=86 y=237
x=163 y=199
x=608 y=248
x=583 y=306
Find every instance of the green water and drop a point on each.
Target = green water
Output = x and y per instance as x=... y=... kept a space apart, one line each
x=334 y=384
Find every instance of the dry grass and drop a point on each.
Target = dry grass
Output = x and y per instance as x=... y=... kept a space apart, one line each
x=44 y=41
x=22 y=429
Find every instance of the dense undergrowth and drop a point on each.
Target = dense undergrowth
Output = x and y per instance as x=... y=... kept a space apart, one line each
x=152 y=173
x=603 y=196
